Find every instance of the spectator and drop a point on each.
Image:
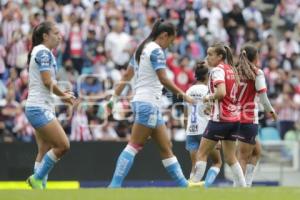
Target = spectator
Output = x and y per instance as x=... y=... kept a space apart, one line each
x=117 y=43
x=253 y=13
x=79 y=126
x=22 y=128
x=288 y=46
x=287 y=110
x=213 y=14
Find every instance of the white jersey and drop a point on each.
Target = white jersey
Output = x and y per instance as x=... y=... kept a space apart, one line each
x=197 y=119
x=41 y=59
x=147 y=85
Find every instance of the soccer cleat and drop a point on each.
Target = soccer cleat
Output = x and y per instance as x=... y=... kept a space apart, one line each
x=197 y=184
x=35 y=183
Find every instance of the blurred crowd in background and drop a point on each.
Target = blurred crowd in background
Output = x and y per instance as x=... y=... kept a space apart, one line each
x=99 y=38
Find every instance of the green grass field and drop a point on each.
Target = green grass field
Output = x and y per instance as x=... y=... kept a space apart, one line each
x=259 y=193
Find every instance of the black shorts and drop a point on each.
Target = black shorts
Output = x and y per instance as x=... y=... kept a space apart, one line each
x=222 y=130
x=248 y=133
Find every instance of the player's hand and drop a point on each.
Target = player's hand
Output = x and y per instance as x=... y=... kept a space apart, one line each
x=189 y=99
x=206 y=98
x=112 y=102
x=69 y=98
x=274 y=115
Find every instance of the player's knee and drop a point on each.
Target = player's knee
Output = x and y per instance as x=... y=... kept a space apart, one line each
x=244 y=153
x=230 y=159
x=64 y=148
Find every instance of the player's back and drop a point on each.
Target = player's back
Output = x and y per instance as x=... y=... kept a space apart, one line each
x=227 y=109
x=248 y=97
x=197 y=119
x=147 y=85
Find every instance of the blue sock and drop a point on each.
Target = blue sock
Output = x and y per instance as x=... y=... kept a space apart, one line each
x=46 y=165
x=36 y=166
x=211 y=176
x=124 y=163
x=174 y=170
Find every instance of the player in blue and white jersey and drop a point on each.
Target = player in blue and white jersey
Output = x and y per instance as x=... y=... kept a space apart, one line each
x=50 y=136
x=150 y=77
x=196 y=119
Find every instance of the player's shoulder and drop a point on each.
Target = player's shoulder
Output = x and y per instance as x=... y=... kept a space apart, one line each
x=152 y=46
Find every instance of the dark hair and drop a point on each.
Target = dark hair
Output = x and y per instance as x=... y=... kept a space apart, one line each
x=245 y=67
x=159 y=27
x=226 y=53
x=37 y=35
x=201 y=71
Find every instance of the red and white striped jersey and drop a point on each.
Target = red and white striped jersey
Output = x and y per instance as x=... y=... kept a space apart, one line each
x=227 y=109
x=248 y=97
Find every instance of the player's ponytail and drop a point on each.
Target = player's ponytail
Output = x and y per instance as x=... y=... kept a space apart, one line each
x=229 y=58
x=245 y=67
x=159 y=27
x=37 y=36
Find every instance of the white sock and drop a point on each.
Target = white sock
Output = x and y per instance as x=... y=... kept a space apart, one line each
x=169 y=161
x=249 y=174
x=191 y=175
x=200 y=167
x=238 y=176
x=130 y=149
x=52 y=155
x=36 y=166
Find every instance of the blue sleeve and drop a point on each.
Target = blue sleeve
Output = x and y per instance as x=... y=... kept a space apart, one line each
x=158 y=59
x=43 y=59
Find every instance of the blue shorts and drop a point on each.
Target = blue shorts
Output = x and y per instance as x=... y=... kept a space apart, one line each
x=147 y=114
x=38 y=116
x=248 y=133
x=192 y=142
x=222 y=130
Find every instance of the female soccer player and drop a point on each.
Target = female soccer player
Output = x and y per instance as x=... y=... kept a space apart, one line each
x=252 y=87
x=150 y=74
x=39 y=109
x=224 y=119
x=196 y=119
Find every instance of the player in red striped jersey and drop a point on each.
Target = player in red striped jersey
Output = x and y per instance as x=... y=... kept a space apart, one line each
x=225 y=116
x=251 y=89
